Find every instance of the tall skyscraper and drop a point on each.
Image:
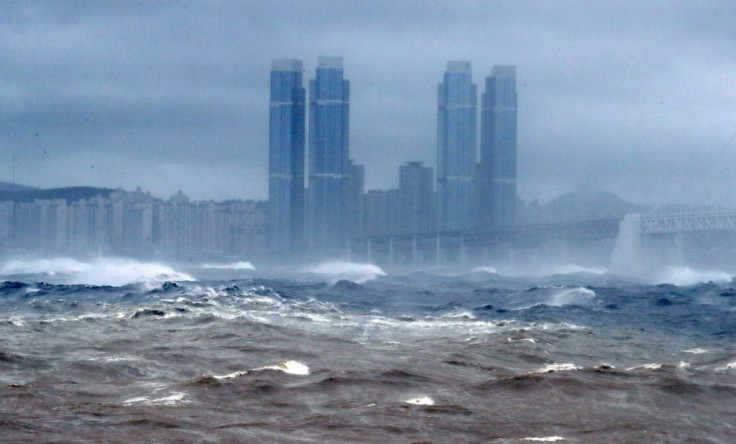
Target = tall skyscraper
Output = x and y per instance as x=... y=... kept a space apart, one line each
x=416 y=193
x=497 y=170
x=286 y=157
x=456 y=147
x=329 y=105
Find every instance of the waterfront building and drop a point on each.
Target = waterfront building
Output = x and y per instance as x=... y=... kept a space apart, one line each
x=456 y=147
x=286 y=157
x=497 y=169
x=329 y=104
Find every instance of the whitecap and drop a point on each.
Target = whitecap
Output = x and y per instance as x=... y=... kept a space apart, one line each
x=352 y=271
x=233 y=375
x=571 y=296
x=650 y=366
x=102 y=271
x=289 y=367
x=424 y=400
x=544 y=439
x=558 y=368
x=683 y=365
x=170 y=400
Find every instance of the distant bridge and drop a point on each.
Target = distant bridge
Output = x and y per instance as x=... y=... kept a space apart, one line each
x=687 y=223
x=477 y=246
x=650 y=237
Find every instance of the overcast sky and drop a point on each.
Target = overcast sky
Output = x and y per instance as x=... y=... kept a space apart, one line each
x=636 y=97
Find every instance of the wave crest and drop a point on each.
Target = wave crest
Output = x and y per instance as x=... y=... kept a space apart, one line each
x=352 y=271
x=102 y=271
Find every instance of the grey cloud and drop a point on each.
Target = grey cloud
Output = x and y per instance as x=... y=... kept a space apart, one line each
x=171 y=95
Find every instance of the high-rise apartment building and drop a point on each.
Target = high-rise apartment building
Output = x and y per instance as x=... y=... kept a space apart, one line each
x=497 y=170
x=416 y=194
x=355 y=203
x=382 y=212
x=329 y=105
x=286 y=157
x=456 y=147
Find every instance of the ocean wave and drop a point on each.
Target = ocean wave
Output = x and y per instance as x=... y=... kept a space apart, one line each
x=289 y=367
x=352 y=271
x=103 y=271
x=571 y=296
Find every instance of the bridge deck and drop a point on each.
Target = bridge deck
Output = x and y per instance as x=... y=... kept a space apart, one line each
x=687 y=223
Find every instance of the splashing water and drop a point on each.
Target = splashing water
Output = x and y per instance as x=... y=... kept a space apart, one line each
x=103 y=271
x=684 y=276
x=356 y=272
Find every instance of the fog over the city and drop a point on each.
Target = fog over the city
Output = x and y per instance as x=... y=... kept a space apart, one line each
x=636 y=97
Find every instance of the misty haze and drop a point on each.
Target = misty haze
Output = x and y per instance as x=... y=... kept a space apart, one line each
x=367 y=221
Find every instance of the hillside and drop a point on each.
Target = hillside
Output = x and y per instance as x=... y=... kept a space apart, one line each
x=578 y=206
x=7 y=187
x=71 y=194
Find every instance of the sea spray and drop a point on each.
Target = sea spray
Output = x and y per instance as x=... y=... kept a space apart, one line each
x=103 y=271
x=685 y=276
x=240 y=265
x=352 y=271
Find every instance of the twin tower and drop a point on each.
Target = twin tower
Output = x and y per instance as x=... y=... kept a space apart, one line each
x=470 y=194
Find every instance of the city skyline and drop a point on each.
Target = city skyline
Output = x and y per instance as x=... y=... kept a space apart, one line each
x=636 y=97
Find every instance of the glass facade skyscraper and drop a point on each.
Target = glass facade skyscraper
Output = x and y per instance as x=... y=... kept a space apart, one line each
x=497 y=171
x=329 y=114
x=456 y=147
x=286 y=157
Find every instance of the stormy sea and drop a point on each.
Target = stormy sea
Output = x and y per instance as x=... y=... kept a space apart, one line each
x=116 y=350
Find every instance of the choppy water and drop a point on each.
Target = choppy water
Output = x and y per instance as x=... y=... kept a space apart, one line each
x=315 y=356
